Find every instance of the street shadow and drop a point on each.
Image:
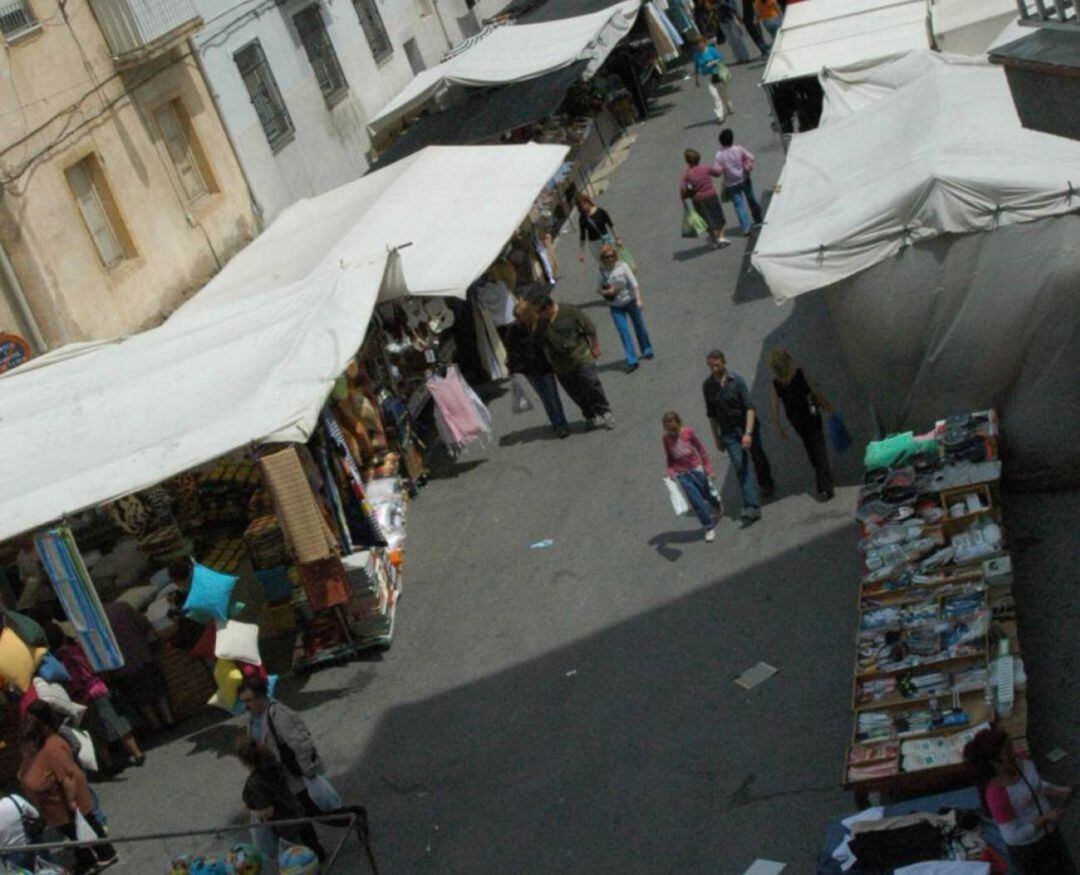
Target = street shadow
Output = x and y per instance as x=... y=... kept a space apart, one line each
x=443 y=466
x=222 y=740
x=561 y=762
x=691 y=254
x=595 y=302
x=528 y=436
x=663 y=542
x=657 y=110
x=708 y=123
x=750 y=285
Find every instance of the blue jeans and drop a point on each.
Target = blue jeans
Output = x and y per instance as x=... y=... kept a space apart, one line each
x=545 y=386
x=623 y=317
x=744 y=470
x=747 y=208
x=696 y=487
x=772 y=25
x=733 y=35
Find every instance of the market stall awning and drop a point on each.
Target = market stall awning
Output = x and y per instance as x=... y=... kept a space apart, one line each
x=487 y=114
x=857 y=190
x=839 y=33
x=514 y=53
x=254 y=355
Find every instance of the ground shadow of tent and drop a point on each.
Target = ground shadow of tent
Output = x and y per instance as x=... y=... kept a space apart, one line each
x=626 y=751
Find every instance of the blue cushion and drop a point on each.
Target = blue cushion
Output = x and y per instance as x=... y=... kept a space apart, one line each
x=275 y=583
x=210 y=594
x=52 y=670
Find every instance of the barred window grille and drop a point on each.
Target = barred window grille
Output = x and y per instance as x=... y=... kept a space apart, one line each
x=372 y=23
x=265 y=94
x=16 y=16
x=320 y=51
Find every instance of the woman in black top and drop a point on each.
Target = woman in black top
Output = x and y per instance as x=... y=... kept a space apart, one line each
x=803 y=403
x=594 y=227
x=525 y=356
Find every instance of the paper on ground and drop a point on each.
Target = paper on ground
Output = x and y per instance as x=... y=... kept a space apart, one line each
x=754 y=676
x=765 y=867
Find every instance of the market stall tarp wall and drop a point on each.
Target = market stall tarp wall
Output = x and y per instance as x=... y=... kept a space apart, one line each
x=968 y=27
x=837 y=33
x=514 y=53
x=254 y=355
x=871 y=207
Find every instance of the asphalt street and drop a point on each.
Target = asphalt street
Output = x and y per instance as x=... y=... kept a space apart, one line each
x=572 y=708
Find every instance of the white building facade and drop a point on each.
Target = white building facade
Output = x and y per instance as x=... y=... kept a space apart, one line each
x=296 y=80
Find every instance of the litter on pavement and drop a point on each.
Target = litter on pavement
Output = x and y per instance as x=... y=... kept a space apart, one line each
x=541 y=545
x=765 y=867
x=754 y=676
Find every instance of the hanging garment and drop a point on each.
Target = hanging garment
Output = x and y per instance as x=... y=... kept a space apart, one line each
x=461 y=417
x=325 y=583
x=668 y=25
x=665 y=46
x=489 y=344
x=356 y=513
x=297 y=510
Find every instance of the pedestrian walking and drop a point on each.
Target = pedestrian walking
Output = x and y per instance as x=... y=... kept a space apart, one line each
x=752 y=24
x=595 y=227
x=53 y=782
x=689 y=464
x=570 y=341
x=620 y=289
x=771 y=16
x=803 y=403
x=734 y=422
x=1018 y=800
x=525 y=356
x=736 y=162
x=267 y=797
x=696 y=186
x=141 y=677
x=728 y=17
x=709 y=62
x=86 y=688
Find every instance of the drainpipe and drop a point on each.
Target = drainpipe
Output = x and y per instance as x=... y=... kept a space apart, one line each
x=255 y=205
x=442 y=25
x=23 y=306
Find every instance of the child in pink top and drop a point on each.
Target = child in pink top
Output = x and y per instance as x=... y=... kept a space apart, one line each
x=688 y=463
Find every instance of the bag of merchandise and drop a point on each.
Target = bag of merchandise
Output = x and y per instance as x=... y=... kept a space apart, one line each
x=296 y=859
x=246 y=860
x=838 y=433
x=627 y=257
x=692 y=224
x=322 y=793
x=44 y=867
x=679 y=504
x=520 y=394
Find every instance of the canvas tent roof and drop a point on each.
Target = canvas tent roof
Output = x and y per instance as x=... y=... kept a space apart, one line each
x=968 y=27
x=839 y=33
x=254 y=355
x=857 y=190
x=487 y=114
x=514 y=53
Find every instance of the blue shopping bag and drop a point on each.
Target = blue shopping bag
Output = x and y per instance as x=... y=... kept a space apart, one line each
x=838 y=433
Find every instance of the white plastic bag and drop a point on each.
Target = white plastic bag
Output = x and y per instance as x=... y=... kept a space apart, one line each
x=87 y=756
x=323 y=793
x=83 y=831
x=520 y=394
x=679 y=504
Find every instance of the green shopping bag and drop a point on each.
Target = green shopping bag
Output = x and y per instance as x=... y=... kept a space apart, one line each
x=692 y=224
x=625 y=255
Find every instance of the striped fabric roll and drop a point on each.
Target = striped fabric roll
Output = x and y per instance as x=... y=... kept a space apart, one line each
x=65 y=568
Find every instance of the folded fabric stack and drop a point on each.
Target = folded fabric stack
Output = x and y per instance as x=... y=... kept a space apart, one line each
x=325 y=584
x=163 y=545
x=226 y=555
x=266 y=543
x=370 y=599
x=224 y=493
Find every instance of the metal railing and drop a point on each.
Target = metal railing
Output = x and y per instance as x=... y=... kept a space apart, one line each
x=354 y=824
x=1049 y=13
x=136 y=27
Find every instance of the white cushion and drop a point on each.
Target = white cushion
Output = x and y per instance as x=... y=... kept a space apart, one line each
x=238 y=641
x=57 y=698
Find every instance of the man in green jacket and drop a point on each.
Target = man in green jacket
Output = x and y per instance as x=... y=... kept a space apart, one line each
x=570 y=342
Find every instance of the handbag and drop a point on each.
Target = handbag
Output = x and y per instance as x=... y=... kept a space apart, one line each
x=677 y=497
x=838 y=433
x=32 y=826
x=520 y=395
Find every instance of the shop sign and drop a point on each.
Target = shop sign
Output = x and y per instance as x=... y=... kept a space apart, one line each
x=14 y=350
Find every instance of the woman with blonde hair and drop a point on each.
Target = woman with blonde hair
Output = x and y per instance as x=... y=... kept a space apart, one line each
x=689 y=464
x=803 y=404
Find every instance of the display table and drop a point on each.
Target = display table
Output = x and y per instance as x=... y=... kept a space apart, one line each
x=935 y=613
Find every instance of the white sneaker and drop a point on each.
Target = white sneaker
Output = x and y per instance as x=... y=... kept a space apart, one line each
x=710 y=535
x=609 y=421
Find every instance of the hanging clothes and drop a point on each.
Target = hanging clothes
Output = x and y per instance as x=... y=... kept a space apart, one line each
x=461 y=417
x=489 y=344
x=663 y=33
x=355 y=510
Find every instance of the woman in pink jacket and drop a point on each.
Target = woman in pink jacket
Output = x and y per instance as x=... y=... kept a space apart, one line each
x=688 y=463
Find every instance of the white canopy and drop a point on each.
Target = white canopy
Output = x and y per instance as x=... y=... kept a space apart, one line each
x=968 y=27
x=839 y=33
x=943 y=233
x=254 y=355
x=944 y=154
x=514 y=53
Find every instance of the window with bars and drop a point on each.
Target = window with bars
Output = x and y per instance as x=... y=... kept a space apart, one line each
x=99 y=211
x=320 y=51
x=265 y=95
x=184 y=149
x=371 y=21
x=16 y=17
